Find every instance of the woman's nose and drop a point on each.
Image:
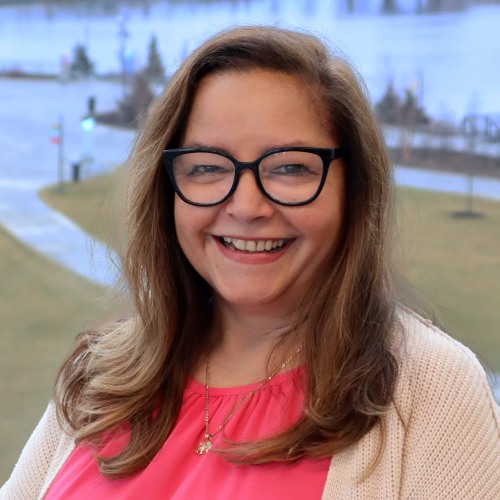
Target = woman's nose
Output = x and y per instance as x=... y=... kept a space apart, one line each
x=248 y=202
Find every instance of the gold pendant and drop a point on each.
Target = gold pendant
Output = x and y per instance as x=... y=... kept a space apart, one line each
x=204 y=446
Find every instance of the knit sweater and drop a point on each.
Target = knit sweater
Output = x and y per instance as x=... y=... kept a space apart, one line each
x=442 y=435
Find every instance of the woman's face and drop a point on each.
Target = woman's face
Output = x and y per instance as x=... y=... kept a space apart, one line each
x=246 y=114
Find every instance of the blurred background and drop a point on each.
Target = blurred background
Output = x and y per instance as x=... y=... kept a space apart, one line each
x=76 y=78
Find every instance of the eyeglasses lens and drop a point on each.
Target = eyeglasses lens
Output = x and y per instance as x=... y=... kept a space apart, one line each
x=291 y=176
x=203 y=177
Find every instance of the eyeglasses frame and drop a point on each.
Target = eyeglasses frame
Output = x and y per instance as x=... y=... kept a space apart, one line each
x=327 y=155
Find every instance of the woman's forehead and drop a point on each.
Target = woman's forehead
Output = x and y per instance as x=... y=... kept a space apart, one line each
x=274 y=108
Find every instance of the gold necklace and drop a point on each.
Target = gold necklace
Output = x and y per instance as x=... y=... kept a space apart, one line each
x=206 y=444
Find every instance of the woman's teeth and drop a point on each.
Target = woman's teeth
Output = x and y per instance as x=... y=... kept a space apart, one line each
x=252 y=246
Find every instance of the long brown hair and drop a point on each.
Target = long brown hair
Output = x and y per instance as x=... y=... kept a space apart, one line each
x=133 y=372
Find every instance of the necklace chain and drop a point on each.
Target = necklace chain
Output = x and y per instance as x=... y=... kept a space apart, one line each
x=206 y=444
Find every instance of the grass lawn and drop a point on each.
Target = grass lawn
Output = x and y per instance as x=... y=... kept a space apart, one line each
x=453 y=262
x=87 y=203
x=42 y=307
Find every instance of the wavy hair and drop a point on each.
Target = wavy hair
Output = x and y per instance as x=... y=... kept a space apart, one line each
x=133 y=372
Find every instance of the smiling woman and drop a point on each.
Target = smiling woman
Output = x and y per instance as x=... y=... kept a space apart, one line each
x=268 y=352
x=220 y=241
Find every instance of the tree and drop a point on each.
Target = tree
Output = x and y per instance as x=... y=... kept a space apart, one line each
x=412 y=113
x=81 y=64
x=406 y=114
x=389 y=7
x=155 y=70
x=389 y=107
x=133 y=107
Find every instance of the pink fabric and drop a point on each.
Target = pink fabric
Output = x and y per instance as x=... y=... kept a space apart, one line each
x=177 y=472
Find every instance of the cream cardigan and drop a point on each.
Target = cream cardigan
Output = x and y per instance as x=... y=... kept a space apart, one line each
x=447 y=448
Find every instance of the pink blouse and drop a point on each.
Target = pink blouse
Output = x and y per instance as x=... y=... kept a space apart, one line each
x=177 y=472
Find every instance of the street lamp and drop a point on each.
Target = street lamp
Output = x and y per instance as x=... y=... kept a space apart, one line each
x=123 y=34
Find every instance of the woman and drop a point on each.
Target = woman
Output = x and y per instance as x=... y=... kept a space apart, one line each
x=268 y=354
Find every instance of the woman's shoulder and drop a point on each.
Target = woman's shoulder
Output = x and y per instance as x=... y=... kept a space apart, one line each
x=435 y=369
x=42 y=457
x=446 y=423
x=420 y=340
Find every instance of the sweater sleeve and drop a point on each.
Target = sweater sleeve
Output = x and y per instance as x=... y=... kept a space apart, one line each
x=42 y=457
x=452 y=439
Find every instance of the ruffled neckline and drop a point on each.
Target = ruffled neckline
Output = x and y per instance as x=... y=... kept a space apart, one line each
x=193 y=386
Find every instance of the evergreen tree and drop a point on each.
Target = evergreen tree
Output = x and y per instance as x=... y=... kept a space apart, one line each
x=389 y=107
x=133 y=107
x=155 y=70
x=412 y=113
x=389 y=7
x=81 y=64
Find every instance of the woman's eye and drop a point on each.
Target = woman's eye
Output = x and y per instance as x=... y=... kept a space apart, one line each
x=291 y=169
x=206 y=170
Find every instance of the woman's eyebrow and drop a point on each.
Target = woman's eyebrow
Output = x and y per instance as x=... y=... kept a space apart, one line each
x=196 y=145
x=265 y=149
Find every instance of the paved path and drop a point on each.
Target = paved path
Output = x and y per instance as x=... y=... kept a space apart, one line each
x=51 y=233
x=28 y=162
x=447 y=182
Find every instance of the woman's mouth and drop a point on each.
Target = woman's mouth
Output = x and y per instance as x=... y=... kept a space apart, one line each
x=253 y=246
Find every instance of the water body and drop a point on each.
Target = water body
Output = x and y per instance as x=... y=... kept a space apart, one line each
x=448 y=59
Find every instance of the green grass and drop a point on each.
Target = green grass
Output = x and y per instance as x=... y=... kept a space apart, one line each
x=454 y=263
x=42 y=307
x=87 y=203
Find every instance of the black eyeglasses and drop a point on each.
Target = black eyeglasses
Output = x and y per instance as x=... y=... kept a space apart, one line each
x=288 y=176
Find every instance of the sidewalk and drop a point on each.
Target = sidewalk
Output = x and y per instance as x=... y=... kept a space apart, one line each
x=29 y=162
x=47 y=231
x=50 y=233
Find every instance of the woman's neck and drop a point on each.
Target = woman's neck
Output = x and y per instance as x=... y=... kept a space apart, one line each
x=250 y=345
